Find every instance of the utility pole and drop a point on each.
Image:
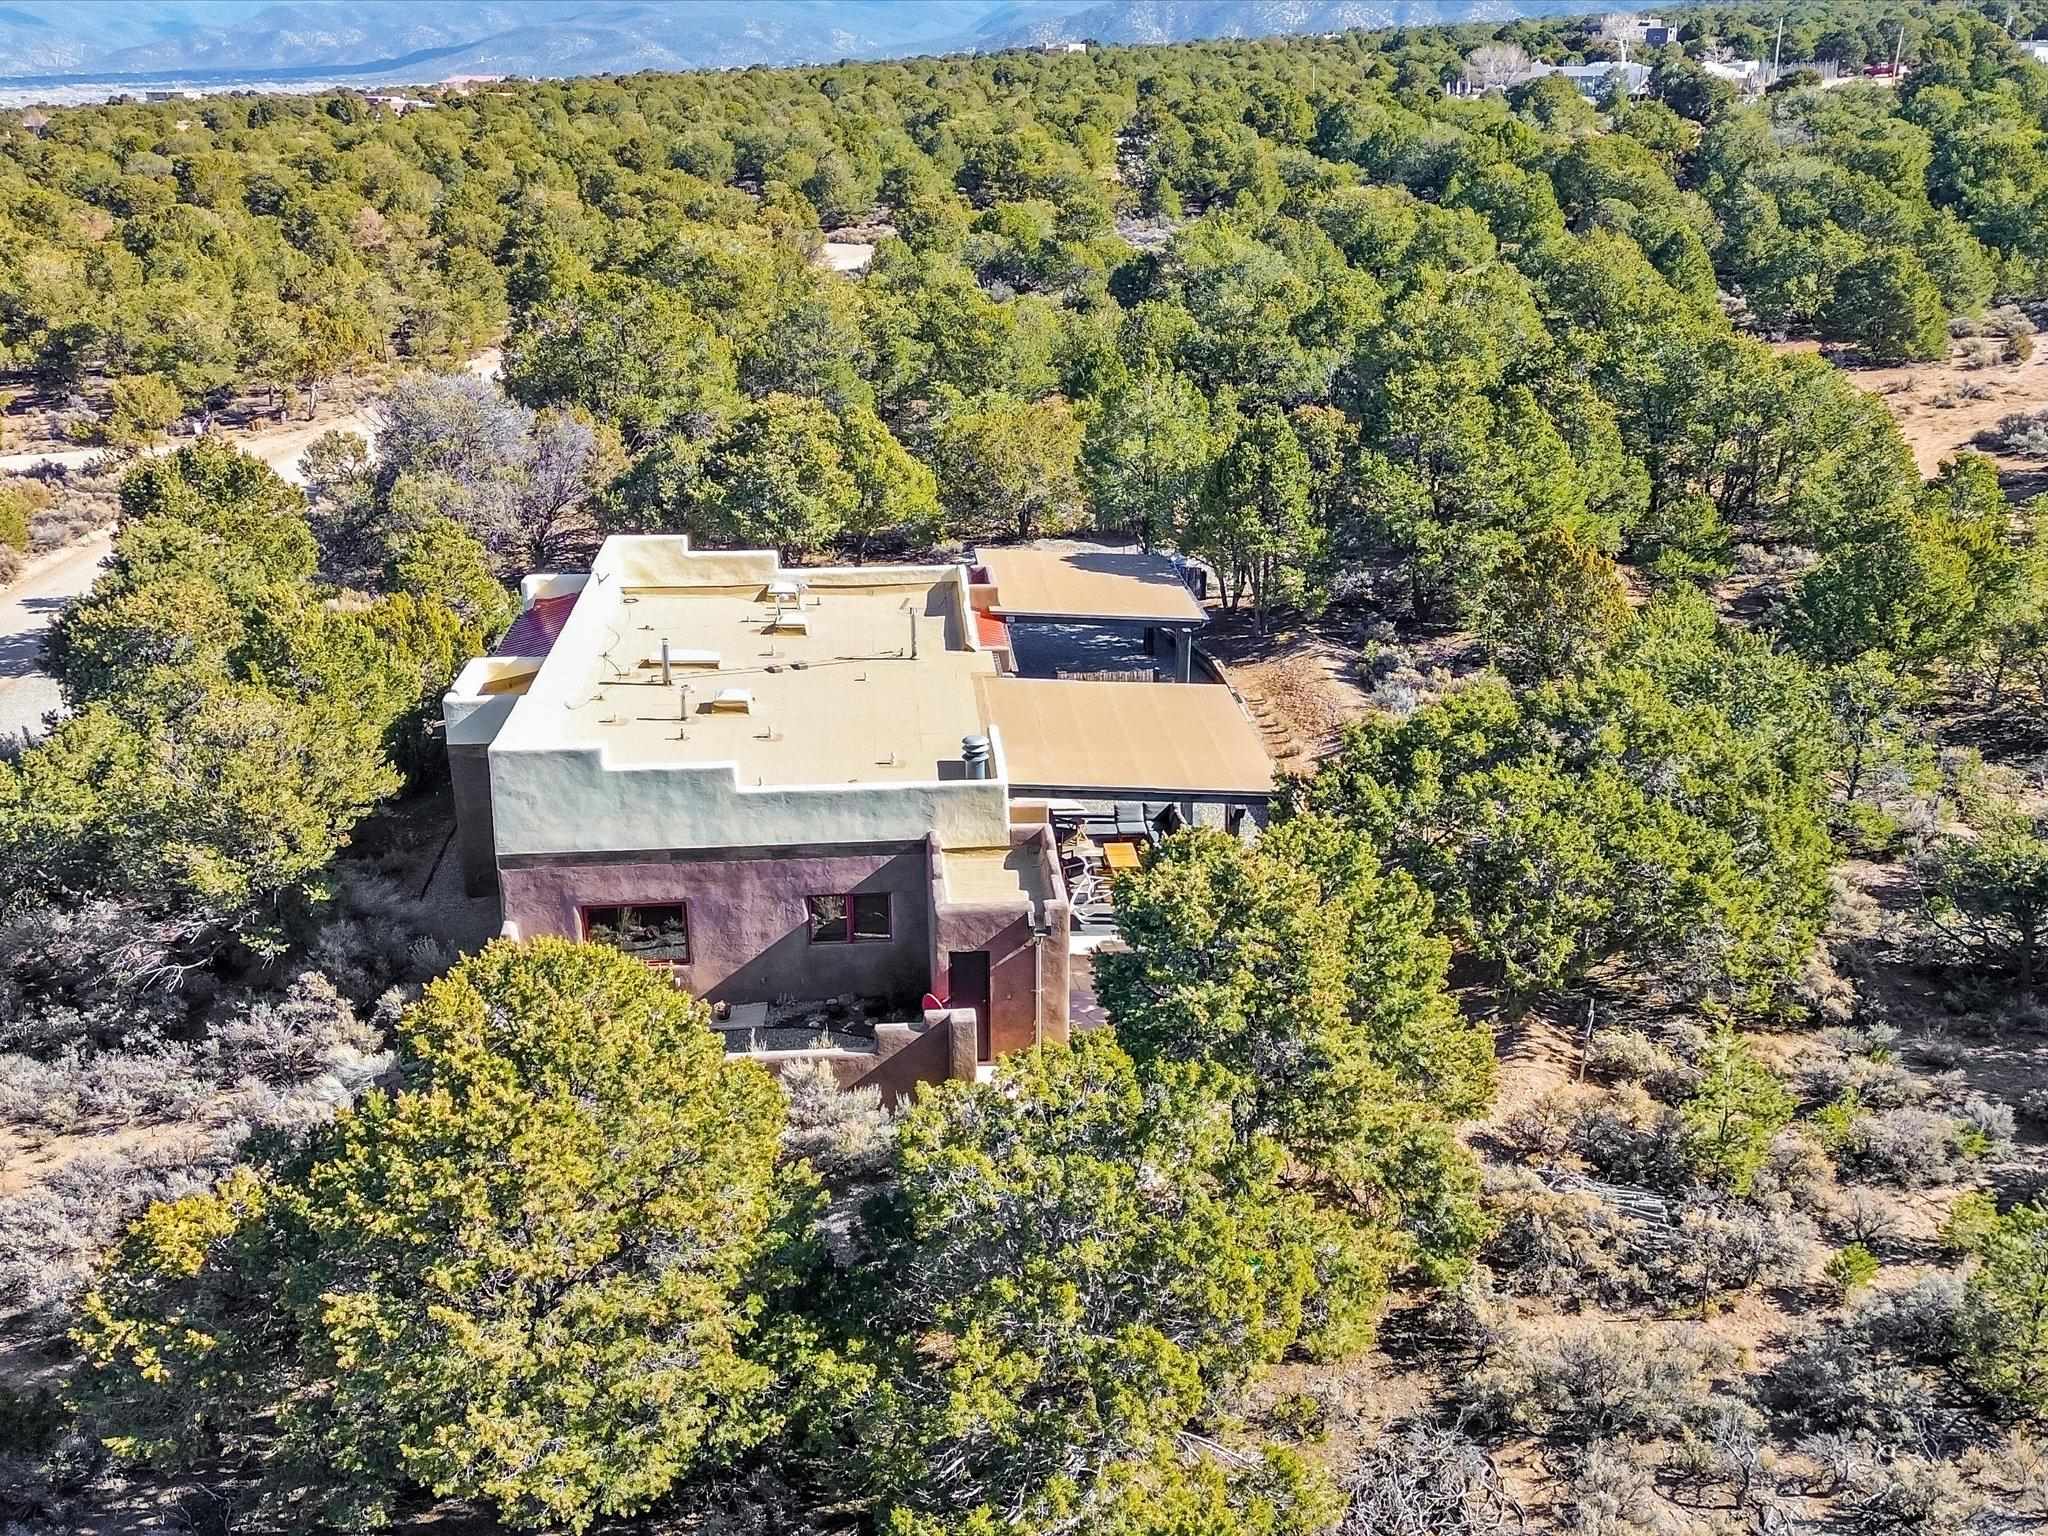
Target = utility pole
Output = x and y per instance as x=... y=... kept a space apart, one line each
x=1898 y=52
x=1778 y=52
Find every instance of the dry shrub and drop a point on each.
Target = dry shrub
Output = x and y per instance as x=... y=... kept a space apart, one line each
x=1632 y=1139
x=1542 y=1132
x=1943 y=1053
x=1822 y=989
x=78 y=505
x=2016 y=1470
x=1424 y=1478
x=1916 y=1495
x=1909 y=1148
x=1573 y=1245
x=844 y=1133
x=280 y=1062
x=1717 y=1250
x=1630 y=1055
x=1860 y=1216
x=2023 y=434
x=2005 y=320
x=1864 y=1377
x=51 y=1235
x=1796 y=1172
x=1602 y=1380
x=376 y=937
x=1614 y=1493
x=2034 y=1104
x=1547 y=1243
x=1473 y=1320
x=1874 y=1083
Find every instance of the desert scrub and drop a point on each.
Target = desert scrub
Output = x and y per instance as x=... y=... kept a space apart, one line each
x=1602 y=1380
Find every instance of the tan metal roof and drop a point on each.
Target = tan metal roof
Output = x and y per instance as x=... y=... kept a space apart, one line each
x=1128 y=740
x=1078 y=583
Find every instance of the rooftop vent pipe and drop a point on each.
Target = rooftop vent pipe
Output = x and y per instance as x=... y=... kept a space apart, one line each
x=664 y=661
x=976 y=754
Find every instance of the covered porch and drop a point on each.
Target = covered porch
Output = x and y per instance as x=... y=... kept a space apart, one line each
x=1113 y=766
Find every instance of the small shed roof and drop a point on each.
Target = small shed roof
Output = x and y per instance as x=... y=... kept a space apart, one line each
x=1166 y=741
x=1033 y=581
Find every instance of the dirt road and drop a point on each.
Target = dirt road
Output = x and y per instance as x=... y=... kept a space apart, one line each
x=26 y=609
x=51 y=581
x=279 y=447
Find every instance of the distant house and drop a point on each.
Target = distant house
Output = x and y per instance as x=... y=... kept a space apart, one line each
x=1592 y=80
x=1064 y=48
x=397 y=106
x=1651 y=31
x=1746 y=75
x=812 y=792
x=2038 y=52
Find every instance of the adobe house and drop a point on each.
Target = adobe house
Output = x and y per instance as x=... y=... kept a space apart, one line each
x=792 y=788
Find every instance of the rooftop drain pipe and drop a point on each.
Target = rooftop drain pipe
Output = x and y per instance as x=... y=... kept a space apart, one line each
x=974 y=752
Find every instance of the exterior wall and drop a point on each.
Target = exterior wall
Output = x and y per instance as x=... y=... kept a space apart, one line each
x=569 y=801
x=470 y=770
x=1012 y=969
x=749 y=934
x=1054 y=953
x=1027 y=968
x=905 y=1056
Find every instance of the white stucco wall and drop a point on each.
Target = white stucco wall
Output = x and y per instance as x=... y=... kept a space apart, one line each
x=570 y=801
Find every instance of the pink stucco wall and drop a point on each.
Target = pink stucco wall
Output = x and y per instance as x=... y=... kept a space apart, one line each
x=1027 y=979
x=749 y=938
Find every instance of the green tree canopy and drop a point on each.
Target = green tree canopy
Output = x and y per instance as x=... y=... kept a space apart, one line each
x=527 y=1278
x=1078 y=1260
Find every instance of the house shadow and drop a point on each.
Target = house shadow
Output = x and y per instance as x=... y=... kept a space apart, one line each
x=21 y=653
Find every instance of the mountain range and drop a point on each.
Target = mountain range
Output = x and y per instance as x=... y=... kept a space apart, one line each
x=416 y=40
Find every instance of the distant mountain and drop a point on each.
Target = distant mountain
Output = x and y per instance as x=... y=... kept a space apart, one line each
x=412 y=38
x=1174 y=21
x=369 y=40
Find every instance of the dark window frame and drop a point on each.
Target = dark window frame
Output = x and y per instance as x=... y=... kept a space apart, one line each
x=849 y=921
x=584 y=927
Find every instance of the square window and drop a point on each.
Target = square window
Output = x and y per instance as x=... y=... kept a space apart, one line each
x=870 y=915
x=828 y=919
x=658 y=933
x=855 y=919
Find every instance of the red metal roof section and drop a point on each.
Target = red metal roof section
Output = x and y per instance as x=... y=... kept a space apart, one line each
x=535 y=631
x=991 y=631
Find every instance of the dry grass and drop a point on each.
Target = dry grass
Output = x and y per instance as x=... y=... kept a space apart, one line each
x=1942 y=408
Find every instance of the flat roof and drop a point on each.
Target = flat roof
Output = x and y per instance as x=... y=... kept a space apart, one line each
x=1070 y=582
x=990 y=877
x=848 y=697
x=1126 y=740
